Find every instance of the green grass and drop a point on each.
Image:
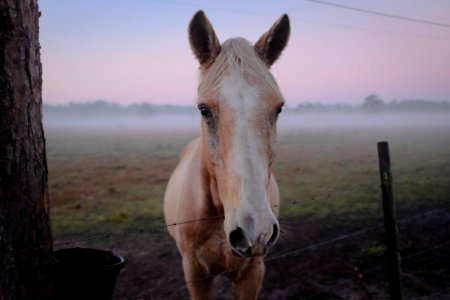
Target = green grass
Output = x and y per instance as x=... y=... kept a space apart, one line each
x=112 y=181
x=373 y=249
x=108 y=181
x=331 y=173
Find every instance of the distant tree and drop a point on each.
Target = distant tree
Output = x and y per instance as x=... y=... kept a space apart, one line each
x=373 y=103
x=25 y=237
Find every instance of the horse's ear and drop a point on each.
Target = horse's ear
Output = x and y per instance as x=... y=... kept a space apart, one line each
x=271 y=44
x=203 y=39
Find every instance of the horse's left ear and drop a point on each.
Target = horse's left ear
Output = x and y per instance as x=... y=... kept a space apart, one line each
x=203 y=39
x=271 y=44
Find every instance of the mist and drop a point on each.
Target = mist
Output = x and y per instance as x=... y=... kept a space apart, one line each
x=288 y=121
x=360 y=120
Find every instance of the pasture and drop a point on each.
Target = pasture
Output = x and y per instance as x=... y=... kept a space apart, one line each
x=107 y=183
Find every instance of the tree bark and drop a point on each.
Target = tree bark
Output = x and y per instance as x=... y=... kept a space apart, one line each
x=25 y=236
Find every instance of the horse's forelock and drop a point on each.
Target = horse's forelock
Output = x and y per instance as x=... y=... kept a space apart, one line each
x=236 y=55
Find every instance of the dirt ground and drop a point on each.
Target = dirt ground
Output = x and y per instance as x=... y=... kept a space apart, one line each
x=347 y=261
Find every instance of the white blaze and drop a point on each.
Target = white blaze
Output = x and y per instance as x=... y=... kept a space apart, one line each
x=247 y=161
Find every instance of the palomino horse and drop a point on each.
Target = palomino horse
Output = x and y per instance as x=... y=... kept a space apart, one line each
x=224 y=179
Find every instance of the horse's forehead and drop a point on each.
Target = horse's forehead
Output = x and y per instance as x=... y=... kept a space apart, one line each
x=246 y=93
x=238 y=93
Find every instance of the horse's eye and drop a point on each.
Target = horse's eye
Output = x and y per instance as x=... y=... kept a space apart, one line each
x=279 y=110
x=204 y=111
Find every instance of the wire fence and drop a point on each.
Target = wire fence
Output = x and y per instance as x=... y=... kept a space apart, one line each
x=427 y=216
x=149 y=293
x=372 y=270
x=440 y=292
x=156 y=229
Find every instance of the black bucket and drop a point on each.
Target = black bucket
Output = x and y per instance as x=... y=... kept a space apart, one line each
x=82 y=273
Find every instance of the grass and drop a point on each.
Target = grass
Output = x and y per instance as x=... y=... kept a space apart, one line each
x=330 y=173
x=104 y=181
x=373 y=249
x=114 y=180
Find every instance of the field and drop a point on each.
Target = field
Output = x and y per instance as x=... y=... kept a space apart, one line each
x=107 y=184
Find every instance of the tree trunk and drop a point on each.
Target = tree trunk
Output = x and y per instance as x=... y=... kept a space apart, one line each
x=25 y=236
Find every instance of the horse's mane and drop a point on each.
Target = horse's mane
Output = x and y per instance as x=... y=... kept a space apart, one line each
x=236 y=55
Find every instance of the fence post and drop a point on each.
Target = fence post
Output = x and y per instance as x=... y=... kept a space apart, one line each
x=390 y=223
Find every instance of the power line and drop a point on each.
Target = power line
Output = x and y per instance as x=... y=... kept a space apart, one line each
x=351 y=27
x=378 y=13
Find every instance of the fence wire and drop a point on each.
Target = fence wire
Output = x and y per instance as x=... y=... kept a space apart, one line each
x=378 y=268
x=440 y=292
x=150 y=291
x=161 y=228
x=428 y=215
x=343 y=281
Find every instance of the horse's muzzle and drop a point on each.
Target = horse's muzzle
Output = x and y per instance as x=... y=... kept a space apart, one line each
x=241 y=246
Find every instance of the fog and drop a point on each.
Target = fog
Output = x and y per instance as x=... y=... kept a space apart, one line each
x=364 y=120
x=287 y=121
x=154 y=122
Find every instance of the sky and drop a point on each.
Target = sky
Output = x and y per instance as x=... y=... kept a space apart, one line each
x=134 y=51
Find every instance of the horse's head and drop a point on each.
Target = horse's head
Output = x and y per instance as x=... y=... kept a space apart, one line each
x=239 y=101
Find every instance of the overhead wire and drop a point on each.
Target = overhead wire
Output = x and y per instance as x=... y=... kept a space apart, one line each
x=351 y=27
x=378 y=13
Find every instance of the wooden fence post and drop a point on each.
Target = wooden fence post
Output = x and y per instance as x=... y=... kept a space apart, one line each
x=390 y=223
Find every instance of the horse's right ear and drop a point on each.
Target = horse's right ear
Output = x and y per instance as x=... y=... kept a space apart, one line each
x=203 y=39
x=272 y=43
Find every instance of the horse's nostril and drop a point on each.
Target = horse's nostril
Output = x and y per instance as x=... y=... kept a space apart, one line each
x=238 y=240
x=274 y=236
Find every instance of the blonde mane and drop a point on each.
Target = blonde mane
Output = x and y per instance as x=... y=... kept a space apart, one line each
x=236 y=55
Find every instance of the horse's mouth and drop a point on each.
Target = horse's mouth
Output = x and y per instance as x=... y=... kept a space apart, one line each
x=246 y=253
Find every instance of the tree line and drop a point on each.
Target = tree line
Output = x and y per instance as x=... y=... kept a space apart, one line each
x=371 y=104
x=374 y=104
x=109 y=109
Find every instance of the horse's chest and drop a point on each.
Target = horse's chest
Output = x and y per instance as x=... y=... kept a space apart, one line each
x=214 y=253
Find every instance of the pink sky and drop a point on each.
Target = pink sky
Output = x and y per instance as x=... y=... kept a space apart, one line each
x=139 y=52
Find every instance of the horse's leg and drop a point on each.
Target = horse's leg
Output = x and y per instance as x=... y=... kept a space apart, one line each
x=248 y=282
x=198 y=282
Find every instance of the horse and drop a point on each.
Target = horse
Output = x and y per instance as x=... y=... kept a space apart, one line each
x=222 y=197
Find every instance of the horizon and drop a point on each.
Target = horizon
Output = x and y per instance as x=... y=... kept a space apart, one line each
x=289 y=105
x=139 y=52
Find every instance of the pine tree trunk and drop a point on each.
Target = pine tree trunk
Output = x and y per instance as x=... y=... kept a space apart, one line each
x=25 y=236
